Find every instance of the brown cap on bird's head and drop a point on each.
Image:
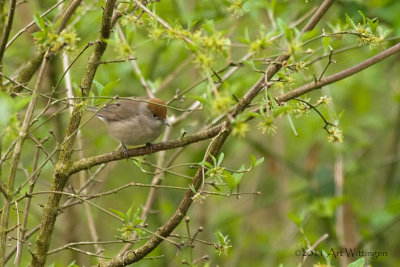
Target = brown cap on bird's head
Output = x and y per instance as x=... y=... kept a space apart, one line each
x=158 y=108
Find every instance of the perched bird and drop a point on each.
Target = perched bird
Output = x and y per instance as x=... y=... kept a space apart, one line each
x=134 y=122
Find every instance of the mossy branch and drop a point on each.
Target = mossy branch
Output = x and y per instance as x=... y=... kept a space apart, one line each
x=215 y=148
x=33 y=64
x=60 y=175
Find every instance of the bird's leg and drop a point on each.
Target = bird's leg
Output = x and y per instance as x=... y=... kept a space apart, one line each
x=125 y=150
x=151 y=147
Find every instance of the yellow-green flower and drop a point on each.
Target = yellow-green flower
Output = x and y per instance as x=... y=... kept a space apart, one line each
x=267 y=126
x=199 y=198
x=323 y=100
x=335 y=135
x=240 y=129
x=221 y=104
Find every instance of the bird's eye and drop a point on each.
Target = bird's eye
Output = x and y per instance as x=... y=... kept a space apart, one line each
x=154 y=116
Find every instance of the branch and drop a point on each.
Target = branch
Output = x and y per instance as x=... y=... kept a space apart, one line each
x=87 y=163
x=24 y=29
x=215 y=147
x=60 y=176
x=7 y=29
x=340 y=75
x=318 y=15
x=15 y=159
x=32 y=65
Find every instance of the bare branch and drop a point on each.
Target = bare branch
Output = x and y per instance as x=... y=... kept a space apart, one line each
x=340 y=75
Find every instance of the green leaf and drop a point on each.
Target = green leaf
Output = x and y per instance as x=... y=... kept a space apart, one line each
x=282 y=109
x=373 y=24
x=297 y=220
x=221 y=238
x=286 y=29
x=39 y=22
x=136 y=217
x=253 y=114
x=214 y=160
x=192 y=188
x=350 y=22
x=253 y=160
x=138 y=162
x=129 y=212
x=206 y=164
x=220 y=158
x=258 y=162
x=119 y=214
x=72 y=264
x=129 y=32
x=78 y=91
x=209 y=26
x=281 y=75
x=358 y=263
x=230 y=180
x=238 y=175
x=20 y=103
x=99 y=87
x=326 y=41
x=201 y=99
x=363 y=17
x=106 y=90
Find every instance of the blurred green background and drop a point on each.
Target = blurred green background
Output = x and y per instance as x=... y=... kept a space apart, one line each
x=298 y=179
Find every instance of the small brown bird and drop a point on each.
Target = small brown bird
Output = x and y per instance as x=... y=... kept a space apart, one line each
x=134 y=122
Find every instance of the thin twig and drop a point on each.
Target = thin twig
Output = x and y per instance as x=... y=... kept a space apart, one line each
x=7 y=29
x=24 y=29
x=135 y=66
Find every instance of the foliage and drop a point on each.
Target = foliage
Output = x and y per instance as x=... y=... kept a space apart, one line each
x=288 y=173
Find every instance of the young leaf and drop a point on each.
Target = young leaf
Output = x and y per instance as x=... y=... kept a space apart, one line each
x=253 y=114
x=282 y=109
x=373 y=24
x=192 y=188
x=259 y=161
x=350 y=22
x=326 y=41
x=106 y=90
x=253 y=160
x=206 y=164
x=119 y=214
x=221 y=238
x=39 y=22
x=214 y=160
x=237 y=177
x=297 y=220
x=363 y=17
x=99 y=87
x=220 y=158
x=230 y=180
x=129 y=212
x=72 y=264
x=20 y=103
x=358 y=263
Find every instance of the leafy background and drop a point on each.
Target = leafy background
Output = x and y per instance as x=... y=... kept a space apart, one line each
x=298 y=198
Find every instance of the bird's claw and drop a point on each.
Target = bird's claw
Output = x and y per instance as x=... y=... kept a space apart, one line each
x=151 y=147
x=125 y=150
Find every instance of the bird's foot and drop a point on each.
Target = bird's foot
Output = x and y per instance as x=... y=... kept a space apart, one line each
x=151 y=147
x=125 y=150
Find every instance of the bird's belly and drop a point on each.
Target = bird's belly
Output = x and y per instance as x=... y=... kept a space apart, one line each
x=130 y=134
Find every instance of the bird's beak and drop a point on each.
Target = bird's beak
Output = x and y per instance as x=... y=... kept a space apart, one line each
x=165 y=122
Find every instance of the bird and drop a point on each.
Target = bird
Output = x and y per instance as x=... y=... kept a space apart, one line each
x=134 y=122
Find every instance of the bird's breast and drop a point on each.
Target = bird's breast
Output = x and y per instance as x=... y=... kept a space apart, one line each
x=135 y=131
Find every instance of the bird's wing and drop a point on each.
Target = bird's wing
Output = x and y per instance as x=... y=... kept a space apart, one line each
x=121 y=110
